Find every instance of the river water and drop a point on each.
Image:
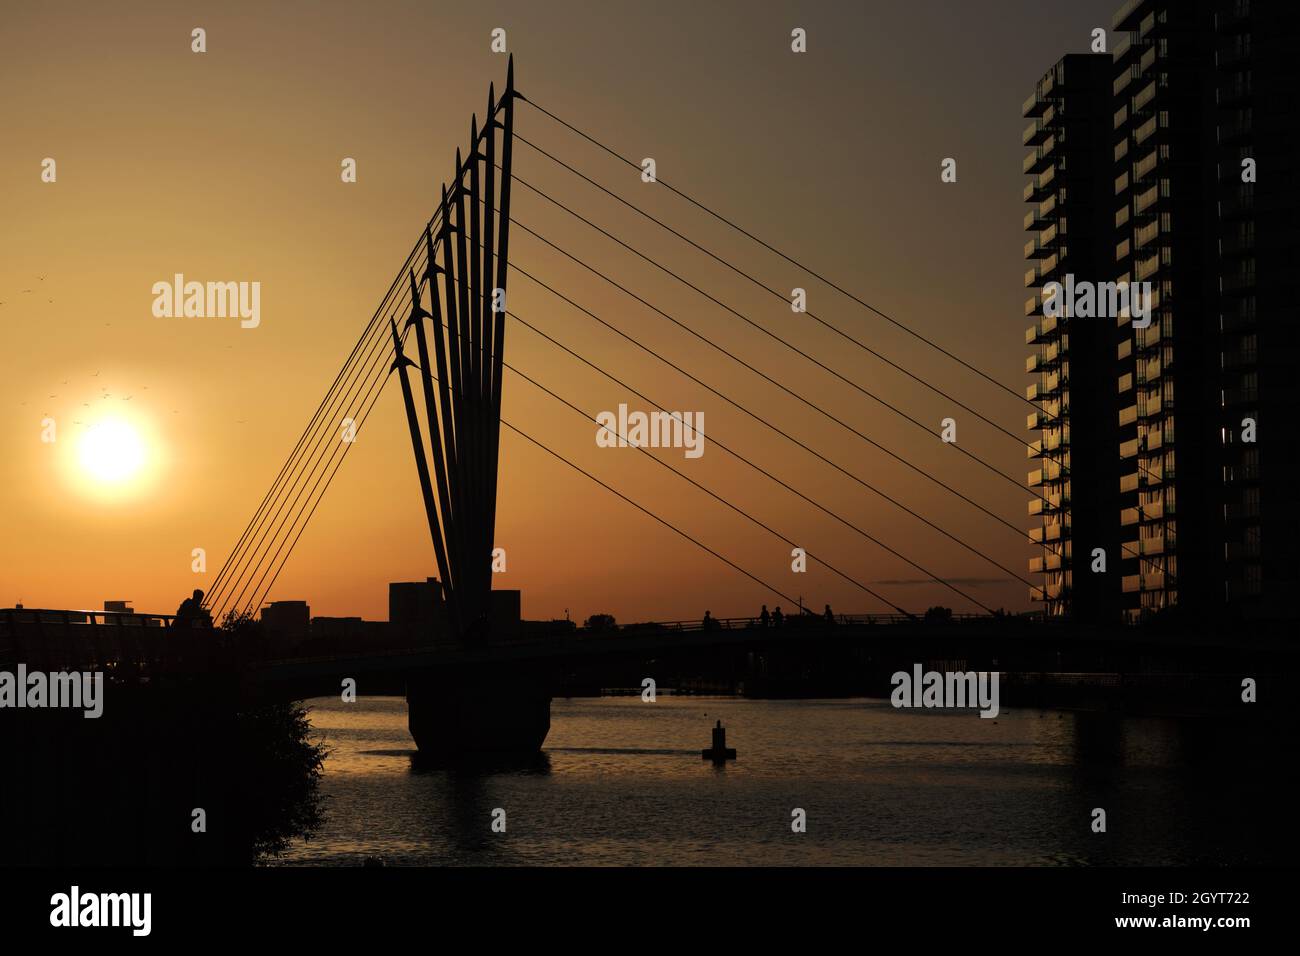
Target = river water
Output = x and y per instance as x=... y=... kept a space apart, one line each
x=621 y=782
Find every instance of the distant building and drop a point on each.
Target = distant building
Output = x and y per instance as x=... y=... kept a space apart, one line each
x=119 y=607
x=415 y=610
x=414 y=603
x=286 y=623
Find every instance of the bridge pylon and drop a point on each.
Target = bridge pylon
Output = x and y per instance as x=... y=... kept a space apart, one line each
x=458 y=306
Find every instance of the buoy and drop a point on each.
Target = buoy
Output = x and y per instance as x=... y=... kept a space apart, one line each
x=719 y=752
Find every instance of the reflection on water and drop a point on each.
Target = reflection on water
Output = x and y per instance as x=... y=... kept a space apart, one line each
x=621 y=782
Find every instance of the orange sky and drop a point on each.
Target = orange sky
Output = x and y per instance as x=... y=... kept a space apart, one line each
x=224 y=166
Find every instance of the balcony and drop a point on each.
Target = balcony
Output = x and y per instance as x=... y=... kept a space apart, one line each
x=1240 y=358
x=1145 y=201
x=1238 y=283
x=1152 y=24
x=1236 y=246
x=1040 y=186
x=1236 y=53
x=1127 y=76
x=1243 y=551
x=1241 y=395
x=1238 y=206
x=1035 y=133
x=1128 y=483
x=1146 y=131
x=1236 y=130
x=1235 y=16
x=1038 y=333
x=1145 y=166
x=1147 y=94
x=1131 y=583
x=1235 y=90
x=1239 y=316
x=1148 y=59
x=1128 y=516
x=1153 y=581
x=1040 y=99
x=1147 y=234
x=1032 y=421
x=1049 y=592
x=1128 y=449
x=1155 y=545
x=1050 y=265
x=1147 y=267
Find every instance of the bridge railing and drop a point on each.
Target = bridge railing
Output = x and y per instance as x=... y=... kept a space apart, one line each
x=124 y=644
x=806 y=619
x=41 y=615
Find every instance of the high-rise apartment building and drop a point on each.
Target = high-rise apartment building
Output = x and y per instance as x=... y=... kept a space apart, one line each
x=1202 y=205
x=1076 y=473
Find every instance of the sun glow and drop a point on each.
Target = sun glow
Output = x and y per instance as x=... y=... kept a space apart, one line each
x=112 y=452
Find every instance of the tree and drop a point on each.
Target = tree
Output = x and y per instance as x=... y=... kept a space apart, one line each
x=600 y=622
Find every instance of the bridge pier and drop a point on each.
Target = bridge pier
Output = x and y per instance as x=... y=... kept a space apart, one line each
x=455 y=715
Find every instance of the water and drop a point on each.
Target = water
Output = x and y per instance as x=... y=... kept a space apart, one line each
x=621 y=782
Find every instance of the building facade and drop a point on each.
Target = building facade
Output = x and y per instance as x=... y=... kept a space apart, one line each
x=1166 y=474
x=1074 y=473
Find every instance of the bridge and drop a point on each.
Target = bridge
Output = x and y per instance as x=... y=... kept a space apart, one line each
x=440 y=333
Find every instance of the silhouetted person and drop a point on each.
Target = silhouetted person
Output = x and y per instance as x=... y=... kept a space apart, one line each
x=828 y=616
x=709 y=622
x=764 y=619
x=777 y=617
x=191 y=610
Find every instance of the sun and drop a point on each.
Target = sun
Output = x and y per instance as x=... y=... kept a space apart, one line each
x=112 y=452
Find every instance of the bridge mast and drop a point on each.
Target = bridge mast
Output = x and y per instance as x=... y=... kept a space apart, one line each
x=464 y=421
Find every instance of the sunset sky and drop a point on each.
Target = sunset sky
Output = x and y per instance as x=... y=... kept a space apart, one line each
x=225 y=166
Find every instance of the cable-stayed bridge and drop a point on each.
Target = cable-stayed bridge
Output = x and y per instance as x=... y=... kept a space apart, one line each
x=439 y=333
